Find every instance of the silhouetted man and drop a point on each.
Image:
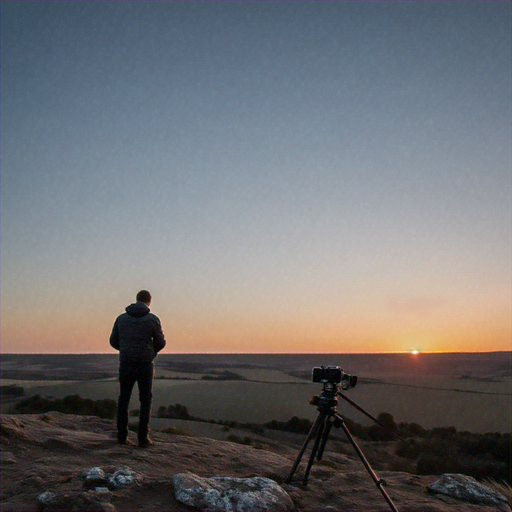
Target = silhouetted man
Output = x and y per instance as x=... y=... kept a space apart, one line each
x=138 y=336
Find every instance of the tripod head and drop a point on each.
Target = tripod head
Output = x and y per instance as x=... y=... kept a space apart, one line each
x=327 y=402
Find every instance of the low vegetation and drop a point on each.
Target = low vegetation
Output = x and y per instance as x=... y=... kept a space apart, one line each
x=176 y=431
x=424 y=452
x=12 y=390
x=448 y=451
x=177 y=411
x=224 y=375
x=71 y=404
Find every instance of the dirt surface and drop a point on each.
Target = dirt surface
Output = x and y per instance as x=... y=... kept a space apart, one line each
x=49 y=452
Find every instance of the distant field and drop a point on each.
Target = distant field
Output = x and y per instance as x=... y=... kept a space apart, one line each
x=473 y=392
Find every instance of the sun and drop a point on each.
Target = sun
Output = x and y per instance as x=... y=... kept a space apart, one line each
x=414 y=352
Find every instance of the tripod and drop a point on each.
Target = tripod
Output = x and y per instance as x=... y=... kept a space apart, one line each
x=327 y=418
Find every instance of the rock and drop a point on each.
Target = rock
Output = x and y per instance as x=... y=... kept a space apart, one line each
x=225 y=494
x=73 y=501
x=466 y=488
x=94 y=477
x=97 y=478
x=102 y=490
x=45 y=498
x=122 y=477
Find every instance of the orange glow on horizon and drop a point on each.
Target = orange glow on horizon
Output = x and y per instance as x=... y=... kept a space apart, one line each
x=75 y=333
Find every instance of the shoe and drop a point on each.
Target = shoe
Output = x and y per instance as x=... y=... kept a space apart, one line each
x=145 y=443
x=125 y=442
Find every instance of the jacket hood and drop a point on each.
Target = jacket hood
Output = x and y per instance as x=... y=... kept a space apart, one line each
x=137 y=309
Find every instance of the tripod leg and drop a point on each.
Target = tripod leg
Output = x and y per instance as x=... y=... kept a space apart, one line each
x=325 y=436
x=319 y=437
x=311 y=434
x=374 y=476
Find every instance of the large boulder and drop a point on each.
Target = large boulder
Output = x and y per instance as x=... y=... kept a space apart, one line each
x=466 y=488
x=226 y=494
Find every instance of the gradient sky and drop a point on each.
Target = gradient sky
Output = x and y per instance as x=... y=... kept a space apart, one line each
x=282 y=176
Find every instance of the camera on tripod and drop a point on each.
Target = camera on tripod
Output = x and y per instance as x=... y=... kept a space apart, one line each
x=334 y=375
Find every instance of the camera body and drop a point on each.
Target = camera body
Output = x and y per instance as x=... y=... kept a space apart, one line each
x=334 y=375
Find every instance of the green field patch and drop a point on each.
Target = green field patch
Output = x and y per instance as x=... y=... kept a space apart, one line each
x=264 y=375
x=29 y=384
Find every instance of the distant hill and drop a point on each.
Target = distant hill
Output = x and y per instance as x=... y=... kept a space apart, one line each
x=56 y=366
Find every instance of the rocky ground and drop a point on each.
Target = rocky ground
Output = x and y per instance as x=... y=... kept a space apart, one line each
x=50 y=453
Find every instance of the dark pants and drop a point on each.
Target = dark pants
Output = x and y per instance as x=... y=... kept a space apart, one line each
x=129 y=374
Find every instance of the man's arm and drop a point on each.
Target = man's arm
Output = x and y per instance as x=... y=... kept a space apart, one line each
x=158 y=336
x=114 y=337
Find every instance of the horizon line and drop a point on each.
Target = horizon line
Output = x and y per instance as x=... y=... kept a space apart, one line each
x=407 y=352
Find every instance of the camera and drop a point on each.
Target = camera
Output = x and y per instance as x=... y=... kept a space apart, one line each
x=334 y=375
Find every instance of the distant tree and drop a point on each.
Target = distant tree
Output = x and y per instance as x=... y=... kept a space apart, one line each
x=71 y=404
x=443 y=432
x=295 y=424
x=409 y=450
x=411 y=429
x=32 y=405
x=12 y=390
x=356 y=429
x=431 y=465
x=378 y=433
x=176 y=411
x=387 y=420
x=105 y=408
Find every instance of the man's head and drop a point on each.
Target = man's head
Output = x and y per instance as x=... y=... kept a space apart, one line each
x=144 y=296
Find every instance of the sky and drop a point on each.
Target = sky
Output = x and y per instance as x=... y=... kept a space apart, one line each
x=282 y=176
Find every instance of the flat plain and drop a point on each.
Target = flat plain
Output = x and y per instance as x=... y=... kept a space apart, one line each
x=470 y=391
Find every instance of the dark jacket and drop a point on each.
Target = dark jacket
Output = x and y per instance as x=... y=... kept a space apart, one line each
x=137 y=334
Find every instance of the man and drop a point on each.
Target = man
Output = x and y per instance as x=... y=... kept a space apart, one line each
x=138 y=336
